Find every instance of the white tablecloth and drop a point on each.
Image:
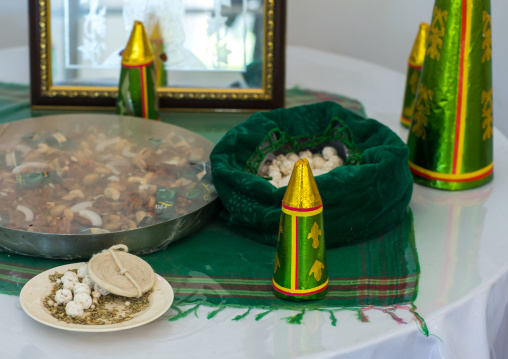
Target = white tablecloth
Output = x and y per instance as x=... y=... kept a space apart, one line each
x=461 y=242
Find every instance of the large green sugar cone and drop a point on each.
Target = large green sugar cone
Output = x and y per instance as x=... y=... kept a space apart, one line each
x=450 y=138
x=414 y=70
x=300 y=271
x=137 y=91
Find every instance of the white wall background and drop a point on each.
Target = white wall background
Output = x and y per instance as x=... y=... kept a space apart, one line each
x=13 y=23
x=383 y=31
x=380 y=31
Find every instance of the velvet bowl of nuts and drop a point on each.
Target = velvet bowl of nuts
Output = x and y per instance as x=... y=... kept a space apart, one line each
x=360 y=166
x=73 y=185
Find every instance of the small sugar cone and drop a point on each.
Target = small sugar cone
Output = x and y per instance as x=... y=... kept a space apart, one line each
x=300 y=271
x=137 y=91
x=414 y=70
x=450 y=139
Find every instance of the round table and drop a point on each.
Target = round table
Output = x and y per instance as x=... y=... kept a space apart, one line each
x=460 y=238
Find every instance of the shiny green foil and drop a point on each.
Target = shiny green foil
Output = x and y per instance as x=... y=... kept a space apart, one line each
x=134 y=84
x=450 y=138
x=310 y=265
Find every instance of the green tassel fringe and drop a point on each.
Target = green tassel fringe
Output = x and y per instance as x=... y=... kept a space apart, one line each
x=296 y=319
x=422 y=326
x=213 y=313
x=177 y=309
x=434 y=335
x=333 y=319
x=184 y=314
x=241 y=316
x=262 y=315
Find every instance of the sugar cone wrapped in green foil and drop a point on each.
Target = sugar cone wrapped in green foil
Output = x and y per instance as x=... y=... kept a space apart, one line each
x=137 y=91
x=450 y=139
x=300 y=271
x=414 y=70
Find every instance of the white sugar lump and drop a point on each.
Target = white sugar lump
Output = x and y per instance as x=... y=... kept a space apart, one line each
x=305 y=154
x=63 y=296
x=328 y=152
x=286 y=167
x=292 y=157
x=74 y=309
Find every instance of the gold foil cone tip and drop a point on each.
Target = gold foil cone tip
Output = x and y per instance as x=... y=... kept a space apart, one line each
x=420 y=46
x=302 y=191
x=138 y=50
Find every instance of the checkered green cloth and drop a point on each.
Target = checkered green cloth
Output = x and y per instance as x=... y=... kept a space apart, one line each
x=218 y=267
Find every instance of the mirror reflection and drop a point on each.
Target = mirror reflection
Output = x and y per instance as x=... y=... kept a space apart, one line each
x=197 y=43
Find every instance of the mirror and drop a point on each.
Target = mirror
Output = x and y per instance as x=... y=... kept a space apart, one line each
x=217 y=54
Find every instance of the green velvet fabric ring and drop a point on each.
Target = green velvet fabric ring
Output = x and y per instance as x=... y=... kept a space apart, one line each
x=363 y=199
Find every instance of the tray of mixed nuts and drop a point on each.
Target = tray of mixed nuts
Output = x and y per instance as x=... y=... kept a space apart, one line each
x=72 y=185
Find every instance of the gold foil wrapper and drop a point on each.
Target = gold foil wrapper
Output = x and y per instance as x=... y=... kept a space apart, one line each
x=138 y=51
x=418 y=52
x=302 y=191
x=414 y=70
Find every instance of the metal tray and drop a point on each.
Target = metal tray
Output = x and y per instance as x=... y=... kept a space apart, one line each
x=137 y=133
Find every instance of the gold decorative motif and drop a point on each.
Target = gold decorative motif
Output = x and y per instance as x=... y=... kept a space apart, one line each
x=48 y=89
x=43 y=48
x=422 y=111
x=437 y=31
x=487 y=114
x=413 y=82
x=277 y=263
x=315 y=232
x=317 y=270
x=487 y=37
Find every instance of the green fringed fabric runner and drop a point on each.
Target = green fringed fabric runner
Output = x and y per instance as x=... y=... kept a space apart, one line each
x=218 y=267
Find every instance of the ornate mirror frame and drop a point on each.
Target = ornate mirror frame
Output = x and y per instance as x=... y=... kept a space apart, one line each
x=44 y=94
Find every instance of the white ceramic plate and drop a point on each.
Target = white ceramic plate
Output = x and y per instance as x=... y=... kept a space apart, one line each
x=39 y=287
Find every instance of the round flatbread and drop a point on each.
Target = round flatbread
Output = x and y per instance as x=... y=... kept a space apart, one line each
x=121 y=273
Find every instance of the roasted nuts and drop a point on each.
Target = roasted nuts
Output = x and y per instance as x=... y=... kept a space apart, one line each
x=85 y=180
